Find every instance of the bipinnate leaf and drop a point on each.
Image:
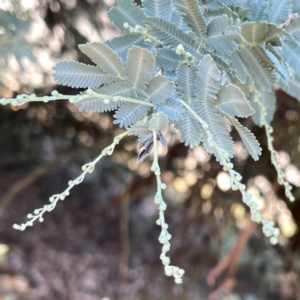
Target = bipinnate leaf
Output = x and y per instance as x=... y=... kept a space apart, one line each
x=292 y=87
x=223 y=34
x=121 y=44
x=278 y=11
x=140 y=130
x=248 y=138
x=258 y=10
x=160 y=89
x=255 y=32
x=123 y=89
x=218 y=130
x=259 y=66
x=79 y=75
x=207 y=81
x=232 y=101
x=172 y=108
x=140 y=67
x=105 y=58
x=129 y=114
x=192 y=15
x=291 y=54
x=159 y=122
x=190 y=130
x=171 y=35
x=158 y=8
x=167 y=59
x=126 y=11
x=186 y=74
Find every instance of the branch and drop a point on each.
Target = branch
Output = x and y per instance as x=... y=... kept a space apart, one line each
x=164 y=236
x=87 y=168
x=267 y=225
x=22 y=99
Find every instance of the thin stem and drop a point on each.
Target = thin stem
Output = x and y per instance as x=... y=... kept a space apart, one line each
x=165 y=236
x=87 y=168
x=22 y=99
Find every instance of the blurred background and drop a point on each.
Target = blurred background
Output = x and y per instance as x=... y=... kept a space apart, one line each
x=101 y=243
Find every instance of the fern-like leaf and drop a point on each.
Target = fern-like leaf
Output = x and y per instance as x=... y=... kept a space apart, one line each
x=186 y=81
x=140 y=67
x=239 y=65
x=123 y=89
x=172 y=108
x=78 y=75
x=279 y=11
x=140 y=130
x=291 y=54
x=193 y=16
x=259 y=66
x=170 y=35
x=258 y=10
x=207 y=81
x=159 y=122
x=255 y=32
x=129 y=114
x=167 y=59
x=158 y=8
x=292 y=87
x=178 y=21
x=126 y=12
x=160 y=89
x=190 y=130
x=248 y=138
x=268 y=101
x=223 y=34
x=232 y=101
x=217 y=128
x=105 y=58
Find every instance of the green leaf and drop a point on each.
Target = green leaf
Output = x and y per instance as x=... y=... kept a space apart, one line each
x=248 y=138
x=218 y=130
x=129 y=114
x=255 y=32
x=279 y=11
x=193 y=16
x=158 y=8
x=292 y=87
x=121 y=44
x=232 y=101
x=190 y=130
x=159 y=122
x=160 y=89
x=259 y=66
x=223 y=34
x=172 y=108
x=140 y=130
x=140 y=67
x=126 y=12
x=105 y=58
x=186 y=75
x=170 y=35
x=207 y=81
x=167 y=59
x=78 y=75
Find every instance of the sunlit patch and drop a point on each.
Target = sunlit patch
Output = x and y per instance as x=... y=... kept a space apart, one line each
x=240 y=151
x=180 y=185
x=254 y=191
x=167 y=177
x=283 y=159
x=238 y=211
x=223 y=181
x=288 y=228
x=292 y=175
x=190 y=178
x=206 y=191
